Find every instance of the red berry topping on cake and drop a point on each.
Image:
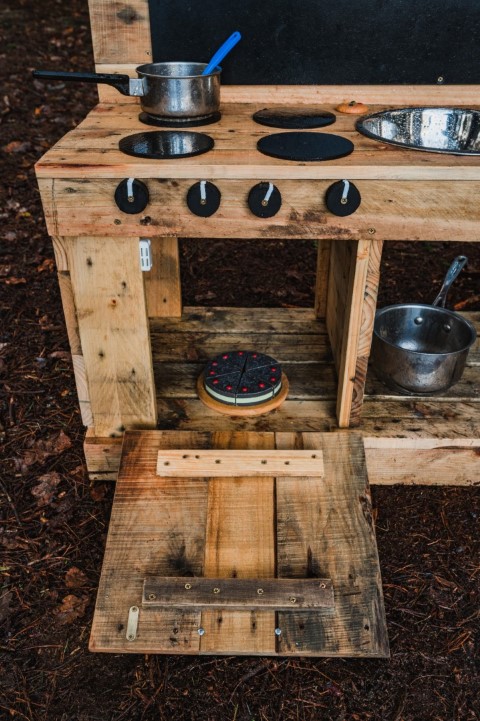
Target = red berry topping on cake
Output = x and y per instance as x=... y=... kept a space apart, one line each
x=261 y=385
x=214 y=363
x=272 y=380
x=228 y=388
x=212 y=373
x=225 y=356
x=215 y=381
x=273 y=370
x=244 y=389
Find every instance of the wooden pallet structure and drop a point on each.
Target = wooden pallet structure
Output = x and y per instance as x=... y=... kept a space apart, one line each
x=227 y=529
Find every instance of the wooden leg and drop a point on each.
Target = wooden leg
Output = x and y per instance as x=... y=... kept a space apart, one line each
x=113 y=326
x=352 y=296
x=162 y=283
x=321 y=282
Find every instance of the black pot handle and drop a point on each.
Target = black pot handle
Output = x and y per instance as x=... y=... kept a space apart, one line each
x=120 y=82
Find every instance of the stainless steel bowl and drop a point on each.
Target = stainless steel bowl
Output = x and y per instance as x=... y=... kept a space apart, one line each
x=435 y=130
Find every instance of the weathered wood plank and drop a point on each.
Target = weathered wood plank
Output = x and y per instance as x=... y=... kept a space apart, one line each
x=426 y=461
x=156 y=527
x=325 y=528
x=162 y=283
x=238 y=593
x=362 y=349
x=202 y=346
x=239 y=543
x=120 y=32
x=406 y=208
x=348 y=336
x=245 y=321
x=375 y=95
x=218 y=463
x=110 y=302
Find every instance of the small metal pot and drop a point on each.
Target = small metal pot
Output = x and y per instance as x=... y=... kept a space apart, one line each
x=419 y=349
x=174 y=91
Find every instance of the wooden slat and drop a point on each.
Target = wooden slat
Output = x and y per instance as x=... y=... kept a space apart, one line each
x=245 y=321
x=188 y=414
x=91 y=151
x=410 y=95
x=326 y=529
x=182 y=463
x=426 y=461
x=112 y=318
x=348 y=335
x=238 y=593
x=162 y=283
x=240 y=543
x=203 y=346
x=362 y=349
x=120 y=31
x=153 y=530
x=407 y=209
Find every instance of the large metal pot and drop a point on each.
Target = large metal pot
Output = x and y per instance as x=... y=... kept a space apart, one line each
x=422 y=349
x=174 y=91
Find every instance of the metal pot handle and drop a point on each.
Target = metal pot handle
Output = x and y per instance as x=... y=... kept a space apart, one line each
x=123 y=83
x=452 y=274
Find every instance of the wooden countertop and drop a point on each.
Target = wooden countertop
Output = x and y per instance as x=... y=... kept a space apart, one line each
x=91 y=151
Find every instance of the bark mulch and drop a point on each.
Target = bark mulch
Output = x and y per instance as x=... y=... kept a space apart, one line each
x=54 y=523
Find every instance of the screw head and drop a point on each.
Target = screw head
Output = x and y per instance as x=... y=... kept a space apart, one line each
x=260 y=591
x=216 y=590
x=152 y=596
x=292 y=599
x=278 y=632
x=188 y=586
x=372 y=231
x=201 y=631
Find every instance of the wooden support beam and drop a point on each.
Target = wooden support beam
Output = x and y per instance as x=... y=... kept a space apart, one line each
x=113 y=326
x=241 y=594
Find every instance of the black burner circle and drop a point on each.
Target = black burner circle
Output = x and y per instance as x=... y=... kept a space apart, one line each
x=305 y=146
x=166 y=144
x=298 y=118
x=159 y=122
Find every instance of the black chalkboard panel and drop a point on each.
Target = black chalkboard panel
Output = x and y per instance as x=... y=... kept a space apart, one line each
x=325 y=41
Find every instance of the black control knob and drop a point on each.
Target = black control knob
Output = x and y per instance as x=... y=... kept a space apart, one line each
x=203 y=199
x=343 y=198
x=264 y=200
x=132 y=196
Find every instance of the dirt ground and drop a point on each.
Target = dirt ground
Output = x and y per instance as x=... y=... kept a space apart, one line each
x=54 y=523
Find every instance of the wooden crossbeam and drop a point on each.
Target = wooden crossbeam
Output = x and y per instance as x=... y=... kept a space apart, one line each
x=245 y=594
x=211 y=463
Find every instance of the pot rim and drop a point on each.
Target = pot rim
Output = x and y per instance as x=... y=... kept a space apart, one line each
x=422 y=306
x=202 y=66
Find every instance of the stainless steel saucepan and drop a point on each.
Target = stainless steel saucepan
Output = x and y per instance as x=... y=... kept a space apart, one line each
x=419 y=349
x=173 y=90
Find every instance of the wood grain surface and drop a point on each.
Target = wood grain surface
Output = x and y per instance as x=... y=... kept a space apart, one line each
x=241 y=528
